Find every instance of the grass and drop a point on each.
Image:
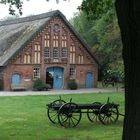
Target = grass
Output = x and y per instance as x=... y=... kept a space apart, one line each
x=24 y=118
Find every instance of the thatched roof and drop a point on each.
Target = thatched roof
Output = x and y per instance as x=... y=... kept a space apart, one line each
x=15 y=34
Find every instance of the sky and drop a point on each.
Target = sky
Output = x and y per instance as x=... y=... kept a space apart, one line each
x=34 y=7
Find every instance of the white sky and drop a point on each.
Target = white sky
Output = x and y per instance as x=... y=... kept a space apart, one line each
x=34 y=7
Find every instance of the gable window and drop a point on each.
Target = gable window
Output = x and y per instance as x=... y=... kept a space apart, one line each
x=72 y=54
x=36 y=73
x=80 y=59
x=64 y=52
x=47 y=40
x=56 y=28
x=27 y=58
x=55 y=40
x=64 y=41
x=37 y=53
x=72 y=72
x=47 y=52
x=55 y=53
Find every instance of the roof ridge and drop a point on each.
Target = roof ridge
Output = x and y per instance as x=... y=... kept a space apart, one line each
x=30 y=18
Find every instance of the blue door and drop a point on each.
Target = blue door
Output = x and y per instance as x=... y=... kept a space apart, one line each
x=89 y=80
x=15 y=79
x=58 y=74
x=58 y=78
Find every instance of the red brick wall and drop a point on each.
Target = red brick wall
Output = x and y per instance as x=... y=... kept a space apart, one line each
x=81 y=72
x=22 y=70
x=89 y=64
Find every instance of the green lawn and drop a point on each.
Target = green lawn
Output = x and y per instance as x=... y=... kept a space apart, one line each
x=24 y=118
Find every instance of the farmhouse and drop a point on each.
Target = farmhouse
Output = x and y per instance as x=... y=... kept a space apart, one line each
x=44 y=46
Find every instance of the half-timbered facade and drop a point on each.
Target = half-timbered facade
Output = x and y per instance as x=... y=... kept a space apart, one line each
x=44 y=46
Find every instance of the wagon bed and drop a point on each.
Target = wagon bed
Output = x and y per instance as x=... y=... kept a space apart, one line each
x=82 y=106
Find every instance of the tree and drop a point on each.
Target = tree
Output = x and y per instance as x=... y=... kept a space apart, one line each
x=129 y=21
x=103 y=36
x=84 y=27
x=13 y=5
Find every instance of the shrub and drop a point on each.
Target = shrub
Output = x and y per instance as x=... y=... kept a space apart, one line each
x=39 y=85
x=72 y=84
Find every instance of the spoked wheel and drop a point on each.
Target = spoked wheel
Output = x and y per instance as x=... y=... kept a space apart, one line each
x=69 y=115
x=93 y=114
x=108 y=114
x=52 y=113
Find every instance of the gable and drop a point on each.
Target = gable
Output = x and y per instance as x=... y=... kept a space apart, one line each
x=17 y=37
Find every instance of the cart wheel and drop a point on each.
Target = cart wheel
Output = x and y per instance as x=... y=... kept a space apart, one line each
x=108 y=114
x=69 y=115
x=93 y=114
x=52 y=113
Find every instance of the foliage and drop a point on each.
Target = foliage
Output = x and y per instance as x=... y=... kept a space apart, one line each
x=96 y=8
x=116 y=74
x=107 y=46
x=13 y=5
x=39 y=85
x=84 y=27
x=17 y=5
x=72 y=84
x=103 y=35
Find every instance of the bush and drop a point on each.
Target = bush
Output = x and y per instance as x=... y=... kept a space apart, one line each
x=72 y=84
x=39 y=85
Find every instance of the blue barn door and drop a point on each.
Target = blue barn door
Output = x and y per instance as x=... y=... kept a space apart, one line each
x=89 y=80
x=58 y=74
x=58 y=78
x=16 y=79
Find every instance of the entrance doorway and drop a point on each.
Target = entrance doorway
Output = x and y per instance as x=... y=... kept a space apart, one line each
x=89 y=82
x=49 y=79
x=55 y=77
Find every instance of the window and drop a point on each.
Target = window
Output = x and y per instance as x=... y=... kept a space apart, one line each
x=47 y=52
x=55 y=53
x=64 y=52
x=56 y=28
x=55 y=40
x=27 y=58
x=72 y=54
x=64 y=41
x=72 y=72
x=80 y=59
x=36 y=73
x=72 y=48
x=47 y=40
x=37 y=53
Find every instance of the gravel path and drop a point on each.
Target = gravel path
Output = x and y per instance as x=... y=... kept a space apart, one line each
x=54 y=92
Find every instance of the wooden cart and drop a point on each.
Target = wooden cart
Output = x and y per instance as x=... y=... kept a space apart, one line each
x=68 y=114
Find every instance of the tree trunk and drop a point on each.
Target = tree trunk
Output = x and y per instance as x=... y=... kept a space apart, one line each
x=128 y=12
